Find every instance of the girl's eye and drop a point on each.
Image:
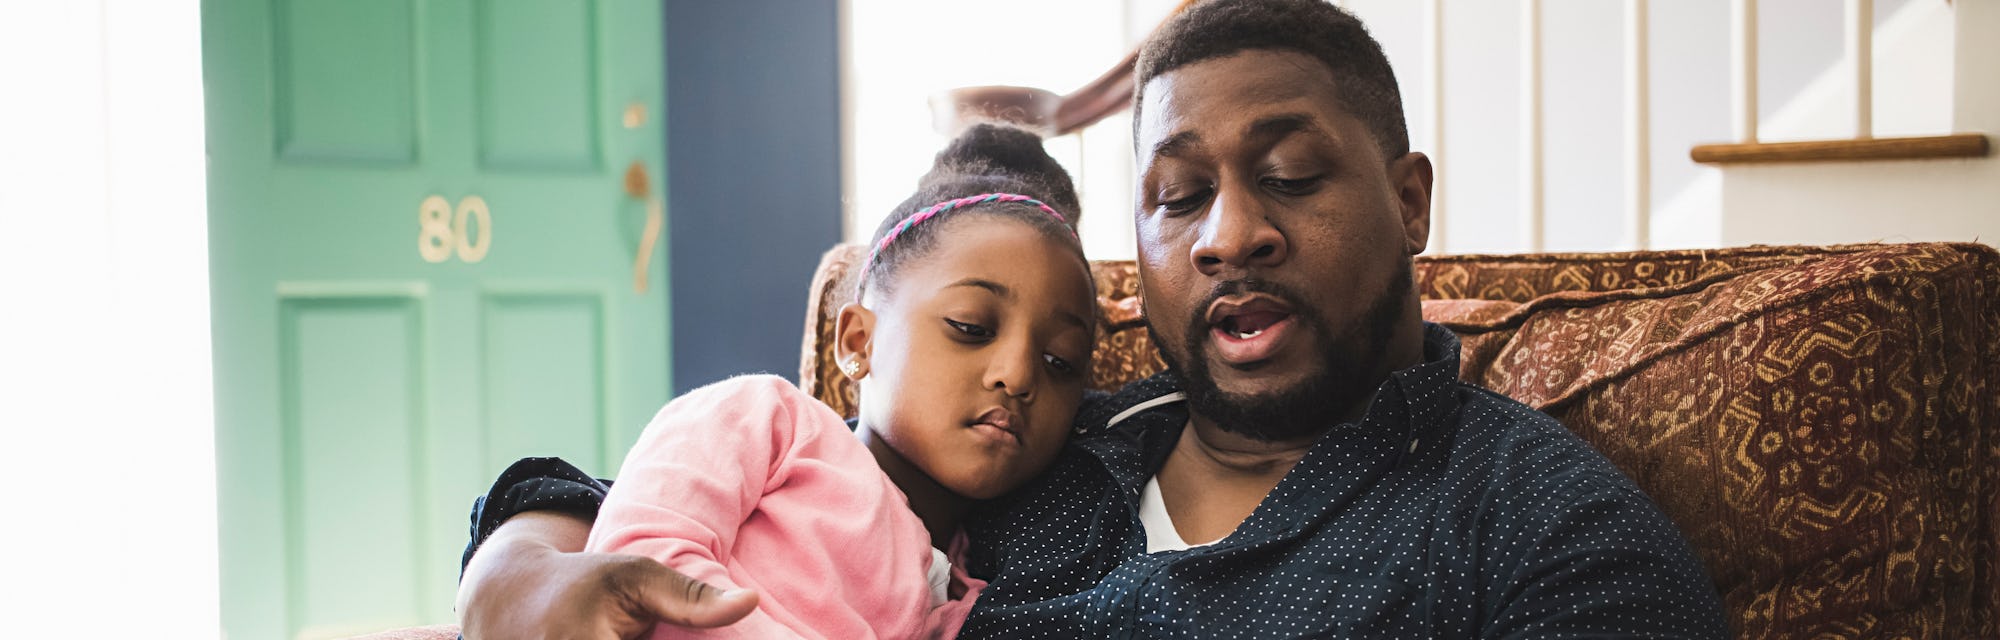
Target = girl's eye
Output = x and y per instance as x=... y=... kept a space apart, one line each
x=1057 y=363
x=969 y=329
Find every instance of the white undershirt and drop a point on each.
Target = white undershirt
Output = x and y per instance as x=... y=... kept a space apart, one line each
x=939 y=575
x=1160 y=532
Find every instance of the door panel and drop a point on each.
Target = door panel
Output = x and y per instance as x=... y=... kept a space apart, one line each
x=376 y=364
x=544 y=365
x=537 y=77
x=353 y=435
x=346 y=80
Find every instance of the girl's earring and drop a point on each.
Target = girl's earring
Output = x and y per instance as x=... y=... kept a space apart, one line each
x=851 y=367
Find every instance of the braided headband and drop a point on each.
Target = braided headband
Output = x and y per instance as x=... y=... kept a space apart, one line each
x=960 y=203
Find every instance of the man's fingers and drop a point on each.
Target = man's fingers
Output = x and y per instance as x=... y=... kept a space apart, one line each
x=654 y=591
x=718 y=608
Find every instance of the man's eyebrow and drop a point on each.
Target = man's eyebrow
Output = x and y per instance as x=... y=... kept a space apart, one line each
x=1279 y=126
x=1269 y=128
x=1176 y=144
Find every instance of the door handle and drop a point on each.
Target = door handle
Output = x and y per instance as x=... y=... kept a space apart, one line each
x=639 y=186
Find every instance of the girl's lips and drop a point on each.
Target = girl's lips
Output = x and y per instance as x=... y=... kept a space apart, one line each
x=997 y=424
x=998 y=416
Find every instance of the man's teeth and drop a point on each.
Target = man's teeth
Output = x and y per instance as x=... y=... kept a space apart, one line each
x=1246 y=335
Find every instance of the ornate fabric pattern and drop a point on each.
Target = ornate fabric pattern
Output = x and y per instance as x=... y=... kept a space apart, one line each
x=1817 y=427
x=1520 y=278
x=1817 y=420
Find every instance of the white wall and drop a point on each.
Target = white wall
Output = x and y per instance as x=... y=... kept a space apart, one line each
x=901 y=52
x=106 y=418
x=1583 y=73
x=1801 y=46
x=1911 y=200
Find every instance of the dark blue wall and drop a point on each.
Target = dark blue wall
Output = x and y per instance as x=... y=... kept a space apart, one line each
x=753 y=178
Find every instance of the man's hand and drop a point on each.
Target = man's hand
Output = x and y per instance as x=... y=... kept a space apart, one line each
x=531 y=580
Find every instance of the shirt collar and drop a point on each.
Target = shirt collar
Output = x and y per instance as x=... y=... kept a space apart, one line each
x=1411 y=404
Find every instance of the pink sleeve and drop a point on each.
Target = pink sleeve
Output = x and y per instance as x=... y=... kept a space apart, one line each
x=696 y=473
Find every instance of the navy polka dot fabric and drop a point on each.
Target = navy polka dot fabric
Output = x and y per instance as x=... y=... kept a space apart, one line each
x=533 y=484
x=1447 y=512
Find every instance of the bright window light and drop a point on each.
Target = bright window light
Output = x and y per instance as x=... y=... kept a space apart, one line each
x=902 y=52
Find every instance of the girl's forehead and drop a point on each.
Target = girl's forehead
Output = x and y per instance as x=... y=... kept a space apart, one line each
x=1018 y=265
x=993 y=244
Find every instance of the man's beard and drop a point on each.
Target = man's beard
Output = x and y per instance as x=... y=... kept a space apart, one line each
x=1350 y=365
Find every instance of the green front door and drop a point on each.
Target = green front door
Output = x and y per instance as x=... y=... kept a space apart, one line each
x=425 y=254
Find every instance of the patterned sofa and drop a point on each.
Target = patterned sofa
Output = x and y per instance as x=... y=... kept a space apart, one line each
x=1820 y=421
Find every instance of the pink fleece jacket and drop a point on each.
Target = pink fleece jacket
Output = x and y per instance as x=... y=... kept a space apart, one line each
x=752 y=483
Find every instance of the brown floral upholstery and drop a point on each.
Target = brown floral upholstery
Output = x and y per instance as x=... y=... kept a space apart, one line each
x=1817 y=420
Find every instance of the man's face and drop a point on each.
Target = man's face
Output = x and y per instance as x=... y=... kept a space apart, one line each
x=1274 y=242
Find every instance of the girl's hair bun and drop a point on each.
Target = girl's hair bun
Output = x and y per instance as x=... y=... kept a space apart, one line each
x=995 y=158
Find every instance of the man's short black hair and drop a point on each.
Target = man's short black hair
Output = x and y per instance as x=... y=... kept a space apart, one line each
x=1220 y=28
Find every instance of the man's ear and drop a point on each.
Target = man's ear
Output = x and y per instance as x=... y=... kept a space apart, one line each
x=853 y=338
x=1411 y=177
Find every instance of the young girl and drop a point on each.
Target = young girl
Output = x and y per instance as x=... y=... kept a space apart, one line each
x=970 y=340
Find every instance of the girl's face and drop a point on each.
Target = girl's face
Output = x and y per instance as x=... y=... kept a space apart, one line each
x=976 y=359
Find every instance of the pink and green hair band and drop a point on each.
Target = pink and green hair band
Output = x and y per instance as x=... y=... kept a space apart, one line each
x=955 y=204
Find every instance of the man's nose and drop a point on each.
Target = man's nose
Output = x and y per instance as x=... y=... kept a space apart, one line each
x=1237 y=233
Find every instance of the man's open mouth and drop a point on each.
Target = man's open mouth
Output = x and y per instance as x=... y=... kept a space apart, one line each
x=1247 y=316
x=1249 y=325
x=1248 y=329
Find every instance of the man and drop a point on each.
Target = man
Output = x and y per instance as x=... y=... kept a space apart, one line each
x=1308 y=465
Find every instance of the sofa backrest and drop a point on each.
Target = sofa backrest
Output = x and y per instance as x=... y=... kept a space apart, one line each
x=1819 y=421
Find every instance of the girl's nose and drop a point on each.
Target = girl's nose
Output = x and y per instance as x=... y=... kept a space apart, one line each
x=1014 y=374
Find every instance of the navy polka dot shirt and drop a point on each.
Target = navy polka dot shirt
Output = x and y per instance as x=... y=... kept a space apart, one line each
x=1448 y=511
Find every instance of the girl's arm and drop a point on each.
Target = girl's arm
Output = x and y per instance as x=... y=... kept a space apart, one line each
x=697 y=472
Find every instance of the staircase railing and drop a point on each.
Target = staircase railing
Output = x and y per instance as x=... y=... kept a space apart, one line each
x=1111 y=92
x=1862 y=146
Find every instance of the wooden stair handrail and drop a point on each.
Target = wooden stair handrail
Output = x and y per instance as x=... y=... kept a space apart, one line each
x=1108 y=94
x=1957 y=145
